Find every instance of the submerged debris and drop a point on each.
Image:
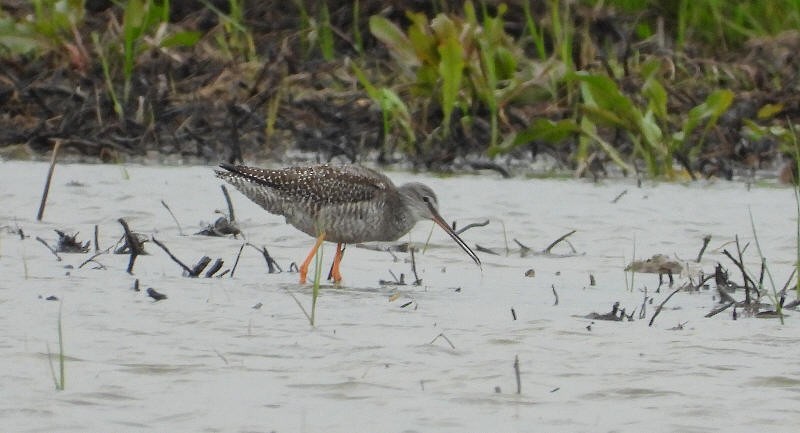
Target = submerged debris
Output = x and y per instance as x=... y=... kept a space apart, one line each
x=220 y=227
x=151 y=292
x=615 y=315
x=70 y=243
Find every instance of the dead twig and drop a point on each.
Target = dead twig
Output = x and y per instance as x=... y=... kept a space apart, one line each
x=740 y=251
x=180 y=230
x=441 y=335
x=553 y=286
x=214 y=268
x=199 y=266
x=56 y=146
x=485 y=250
x=718 y=310
x=661 y=305
x=397 y=281
x=231 y=215
x=748 y=282
x=642 y=311
x=134 y=245
x=417 y=281
x=236 y=263
x=44 y=242
x=186 y=269
x=619 y=196
x=517 y=375
x=271 y=263
x=557 y=241
x=788 y=281
x=706 y=240
x=524 y=250
x=91 y=259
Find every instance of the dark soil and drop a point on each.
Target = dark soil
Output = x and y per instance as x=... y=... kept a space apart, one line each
x=197 y=104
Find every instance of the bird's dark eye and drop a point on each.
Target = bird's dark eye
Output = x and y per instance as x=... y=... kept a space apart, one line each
x=426 y=199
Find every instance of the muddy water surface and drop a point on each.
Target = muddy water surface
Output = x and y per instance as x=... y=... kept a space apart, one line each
x=206 y=360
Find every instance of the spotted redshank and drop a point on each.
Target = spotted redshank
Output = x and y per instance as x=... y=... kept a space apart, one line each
x=343 y=204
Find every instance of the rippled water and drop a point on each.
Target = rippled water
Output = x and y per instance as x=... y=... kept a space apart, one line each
x=205 y=360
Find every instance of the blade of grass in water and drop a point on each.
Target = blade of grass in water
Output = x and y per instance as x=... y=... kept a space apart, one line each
x=315 y=290
x=59 y=381
x=775 y=295
x=796 y=189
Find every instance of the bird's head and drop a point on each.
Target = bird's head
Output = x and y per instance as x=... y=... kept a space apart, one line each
x=422 y=202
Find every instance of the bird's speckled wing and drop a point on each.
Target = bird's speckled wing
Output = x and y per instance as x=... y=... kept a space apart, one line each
x=308 y=188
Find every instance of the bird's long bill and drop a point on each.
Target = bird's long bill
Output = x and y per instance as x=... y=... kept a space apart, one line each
x=438 y=220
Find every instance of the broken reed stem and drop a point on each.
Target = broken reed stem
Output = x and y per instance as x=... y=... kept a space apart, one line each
x=417 y=281
x=786 y=286
x=187 y=269
x=230 y=204
x=557 y=241
x=94 y=256
x=441 y=335
x=46 y=191
x=633 y=271
x=505 y=237
x=706 y=240
x=643 y=310
x=718 y=310
x=133 y=243
x=315 y=287
x=746 y=278
x=661 y=305
x=236 y=263
x=524 y=250
x=96 y=234
x=61 y=356
x=180 y=230
x=214 y=268
x=619 y=196
x=271 y=263
x=44 y=242
x=517 y=375
x=60 y=381
x=553 y=286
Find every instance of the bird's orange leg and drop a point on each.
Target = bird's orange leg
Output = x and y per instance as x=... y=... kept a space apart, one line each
x=337 y=276
x=307 y=261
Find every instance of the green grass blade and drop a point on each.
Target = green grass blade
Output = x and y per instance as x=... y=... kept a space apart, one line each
x=326 y=34
x=775 y=295
x=451 y=70
x=61 y=356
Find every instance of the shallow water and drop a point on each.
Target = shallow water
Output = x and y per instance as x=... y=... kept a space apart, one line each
x=205 y=360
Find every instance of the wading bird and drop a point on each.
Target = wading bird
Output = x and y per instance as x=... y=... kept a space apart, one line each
x=343 y=204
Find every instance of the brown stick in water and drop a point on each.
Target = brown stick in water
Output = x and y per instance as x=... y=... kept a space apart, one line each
x=46 y=191
x=555 y=242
